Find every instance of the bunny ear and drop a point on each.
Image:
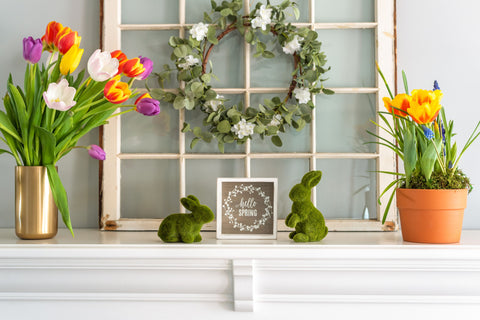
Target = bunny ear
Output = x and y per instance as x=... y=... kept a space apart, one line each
x=188 y=203
x=312 y=178
x=192 y=197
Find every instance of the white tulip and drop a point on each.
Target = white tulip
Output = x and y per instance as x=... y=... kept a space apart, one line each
x=59 y=96
x=101 y=66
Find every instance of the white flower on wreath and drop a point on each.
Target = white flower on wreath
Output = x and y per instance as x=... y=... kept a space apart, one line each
x=243 y=128
x=276 y=120
x=199 y=31
x=302 y=95
x=292 y=46
x=263 y=18
x=213 y=104
x=189 y=61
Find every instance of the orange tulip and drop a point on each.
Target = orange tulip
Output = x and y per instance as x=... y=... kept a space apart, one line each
x=399 y=103
x=425 y=105
x=67 y=40
x=116 y=91
x=133 y=68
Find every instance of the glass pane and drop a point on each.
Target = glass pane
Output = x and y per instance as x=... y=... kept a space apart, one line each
x=271 y=73
x=351 y=54
x=288 y=172
x=154 y=45
x=293 y=140
x=347 y=189
x=150 y=134
x=202 y=177
x=194 y=10
x=143 y=178
x=228 y=62
x=344 y=11
x=149 y=11
x=195 y=119
x=342 y=121
x=303 y=7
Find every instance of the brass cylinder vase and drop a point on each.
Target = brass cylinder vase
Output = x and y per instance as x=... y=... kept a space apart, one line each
x=36 y=215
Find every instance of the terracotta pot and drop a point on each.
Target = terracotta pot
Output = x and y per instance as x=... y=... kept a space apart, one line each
x=431 y=216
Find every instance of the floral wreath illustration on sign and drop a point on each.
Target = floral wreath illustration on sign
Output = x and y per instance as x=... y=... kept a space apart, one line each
x=257 y=223
x=232 y=124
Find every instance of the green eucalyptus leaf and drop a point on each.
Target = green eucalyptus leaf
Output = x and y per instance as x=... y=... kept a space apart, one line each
x=296 y=12
x=197 y=131
x=194 y=142
x=268 y=54
x=180 y=51
x=249 y=35
x=327 y=91
x=277 y=141
x=211 y=34
x=228 y=138
x=210 y=95
x=186 y=127
x=197 y=89
x=179 y=103
x=224 y=126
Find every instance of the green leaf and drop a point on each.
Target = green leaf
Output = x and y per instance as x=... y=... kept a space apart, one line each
x=328 y=91
x=197 y=89
x=221 y=146
x=296 y=12
x=48 y=142
x=427 y=163
x=206 y=78
x=268 y=54
x=186 y=127
x=8 y=127
x=249 y=35
x=194 y=142
x=410 y=152
x=226 y=12
x=405 y=83
x=210 y=95
x=277 y=141
x=211 y=34
x=197 y=131
x=5 y=151
x=224 y=126
x=59 y=195
x=179 y=103
x=180 y=51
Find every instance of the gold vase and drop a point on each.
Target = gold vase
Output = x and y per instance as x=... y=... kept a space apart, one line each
x=36 y=215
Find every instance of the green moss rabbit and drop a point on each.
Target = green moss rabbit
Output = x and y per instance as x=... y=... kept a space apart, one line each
x=185 y=227
x=307 y=220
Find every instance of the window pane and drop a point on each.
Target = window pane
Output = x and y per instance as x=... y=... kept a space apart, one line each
x=293 y=140
x=143 y=178
x=271 y=73
x=150 y=134
x=347 y=189
x=195 y=119
x=303 y=7
x=288 y=171
x=149 y=11
x=194 y=10
x=228 y=62
x=201 y=177
x=342 y=121
x=351 y=54
x=344 y=11
x=154 y=45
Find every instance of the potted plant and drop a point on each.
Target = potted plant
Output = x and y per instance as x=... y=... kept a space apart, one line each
x=44 y=120
x=432 y=191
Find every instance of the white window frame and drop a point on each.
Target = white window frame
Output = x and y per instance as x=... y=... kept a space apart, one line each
x=385 y=159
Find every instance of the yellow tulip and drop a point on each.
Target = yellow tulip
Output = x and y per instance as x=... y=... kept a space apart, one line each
x=425 y=105
x=70 y=60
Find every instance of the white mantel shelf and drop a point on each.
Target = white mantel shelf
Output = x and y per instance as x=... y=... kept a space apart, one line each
x=347 y=274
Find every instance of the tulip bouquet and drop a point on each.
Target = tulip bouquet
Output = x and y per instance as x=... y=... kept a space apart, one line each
x=422 y=139
x=44 y=120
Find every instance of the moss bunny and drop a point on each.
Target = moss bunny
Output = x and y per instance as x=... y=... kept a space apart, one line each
x=185 y=227
x=307 y=220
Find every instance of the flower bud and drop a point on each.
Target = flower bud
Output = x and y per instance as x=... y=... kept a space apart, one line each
x=32 y=49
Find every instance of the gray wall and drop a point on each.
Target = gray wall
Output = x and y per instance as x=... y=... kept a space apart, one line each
x=437 y=39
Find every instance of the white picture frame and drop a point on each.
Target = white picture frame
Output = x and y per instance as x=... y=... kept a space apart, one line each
x=247 y=208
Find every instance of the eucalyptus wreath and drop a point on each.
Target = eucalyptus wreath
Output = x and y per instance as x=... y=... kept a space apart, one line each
x=236 y=124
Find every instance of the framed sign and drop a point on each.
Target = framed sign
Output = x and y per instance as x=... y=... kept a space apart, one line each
x=246 y=208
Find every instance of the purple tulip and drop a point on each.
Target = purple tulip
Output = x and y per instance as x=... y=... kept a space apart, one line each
x=148 y=65
x=148 y=107
x=32 y=49
x=96 y=152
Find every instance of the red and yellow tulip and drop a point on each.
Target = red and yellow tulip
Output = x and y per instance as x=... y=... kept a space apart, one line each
x=121 y=57
x=116 y=91
x=425 y=105
x=67 y=40
x=51 y=33
x=133 y=68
